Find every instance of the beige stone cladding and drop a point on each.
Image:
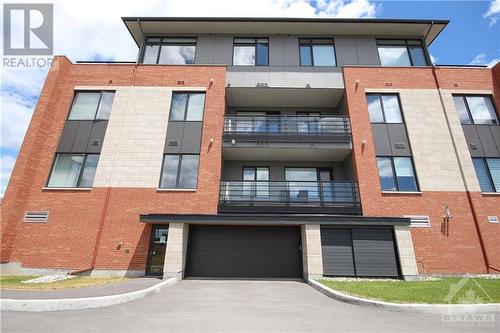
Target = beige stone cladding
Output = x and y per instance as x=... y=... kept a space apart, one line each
x=311 y=251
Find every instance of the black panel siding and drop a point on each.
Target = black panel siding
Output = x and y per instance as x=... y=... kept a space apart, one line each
x=68 y=136
x=495 y=132
x=487 y=141
x=400 y=145
x=183 y=137
x=482 y=140
x=80 y=136
x=244 y=252
x=336 y=247
x=374 y=252
x=473 y=142
x=381 y=139
x=97 y=136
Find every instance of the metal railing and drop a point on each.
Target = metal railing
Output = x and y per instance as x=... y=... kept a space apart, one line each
x=296 y=196
x=330 y=126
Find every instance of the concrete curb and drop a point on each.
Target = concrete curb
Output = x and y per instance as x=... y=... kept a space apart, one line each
x=69 y=304
x=420 y=308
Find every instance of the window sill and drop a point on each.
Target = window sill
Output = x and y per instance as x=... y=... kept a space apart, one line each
x=176 y=190
x=416 y=193
x=67 y=189
x=487 y=194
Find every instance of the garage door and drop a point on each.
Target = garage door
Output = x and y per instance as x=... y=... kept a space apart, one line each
x=244 y=252
x=358 y=252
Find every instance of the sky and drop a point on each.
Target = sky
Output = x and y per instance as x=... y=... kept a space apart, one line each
x=93 y=30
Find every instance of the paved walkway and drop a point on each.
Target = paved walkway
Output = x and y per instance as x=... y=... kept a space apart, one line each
x=233 y=306
x=92 y=291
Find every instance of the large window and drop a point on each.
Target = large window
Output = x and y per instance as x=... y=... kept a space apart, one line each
x=475 y=110
x=91 y=105
x=251 y=52
x=179 y=171
x=317 y=52
x=488 y=173
x=172 y=50
x=384 y=108
x=187 y=106
x=401 y=53
x=73 y=170
x=396 y=174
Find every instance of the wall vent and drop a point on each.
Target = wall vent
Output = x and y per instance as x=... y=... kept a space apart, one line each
x=173 y=143
x=419 y=221
x=36 y=217
x=400 y=145
x=493 y=219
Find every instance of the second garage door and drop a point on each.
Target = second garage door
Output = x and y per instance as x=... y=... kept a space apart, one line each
x=244 y=252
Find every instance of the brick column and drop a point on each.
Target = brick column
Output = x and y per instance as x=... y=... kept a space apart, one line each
x=311 y=251
x=175 y=255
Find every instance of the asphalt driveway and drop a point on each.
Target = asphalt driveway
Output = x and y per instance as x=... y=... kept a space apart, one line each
x=234 y=306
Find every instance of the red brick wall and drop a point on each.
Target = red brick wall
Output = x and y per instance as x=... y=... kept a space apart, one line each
x=452 y=249
x=68 y=239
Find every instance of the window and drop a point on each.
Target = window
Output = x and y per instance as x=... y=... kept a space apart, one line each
x=171 y=50
x=187 y=106
x=477 y=110
x=179 y=172
x=256 y=181
x=396 y=174
x=317 y=52
x=419 y=221
x=251 y=52
x=488 y=173
x=73 y=170
x=384 y=108
x=91 y=105
x=401 y=53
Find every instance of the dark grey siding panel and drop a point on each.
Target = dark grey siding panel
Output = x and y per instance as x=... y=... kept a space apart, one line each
x=473 y=142
x=205 y=50
x=191 y=138
x=244 y=252
x=291 y=51
x=400 y=145
x=97 y=136
x=367 y=51
x=374 y=253
x=345 y=49
x=223 y=50
x=381 y=139
x=67 y=137
x=336 y=247
x=82 y=136
x=173 y=142
x=487 y=141
x=495 y=132
x=276 y=51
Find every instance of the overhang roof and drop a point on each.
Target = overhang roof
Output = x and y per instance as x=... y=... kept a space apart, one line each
x=140 y=26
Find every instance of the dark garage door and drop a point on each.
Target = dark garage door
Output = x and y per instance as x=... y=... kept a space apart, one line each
x=358 y=252
x=244 y=252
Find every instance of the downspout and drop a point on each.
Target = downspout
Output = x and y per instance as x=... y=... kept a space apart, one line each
x=108 y=190
x=462 y=173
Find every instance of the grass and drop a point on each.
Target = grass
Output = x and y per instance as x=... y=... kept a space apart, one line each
x=433 y=292
x=13 y=282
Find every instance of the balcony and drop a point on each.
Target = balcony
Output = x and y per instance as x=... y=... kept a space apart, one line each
x=323 y=197
x=325 y=137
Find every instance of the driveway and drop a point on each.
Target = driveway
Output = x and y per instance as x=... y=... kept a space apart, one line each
x=231 y=306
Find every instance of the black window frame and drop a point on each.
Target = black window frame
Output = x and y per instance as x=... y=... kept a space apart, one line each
x=76 y=92
x=178 y=173
x=254 y=44
x=80 y=174
x=488 y=173
x=383 y=109
x=161 y=43
x=387 y=42
x=309 y=42
x=186 y=107
x=393 y=166
x=468 y=110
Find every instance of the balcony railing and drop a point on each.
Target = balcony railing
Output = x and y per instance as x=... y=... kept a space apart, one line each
x=334 y=197
x=288 y=128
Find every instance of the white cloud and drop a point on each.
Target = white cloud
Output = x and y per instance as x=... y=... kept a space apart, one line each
x=6 y=165
x=90 y=29
x=493 y=12
x=481 y=59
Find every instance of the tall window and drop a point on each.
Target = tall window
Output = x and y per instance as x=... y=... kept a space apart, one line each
x=317 y=52
x=475 y=109
x=384 y=108
x=187 y=106
x=91 y=105
x=488 y=173
x=396 y=174
x=73 y=170
x=251 y=52
x=401 y=53
x=179 y=171
x=171 y=50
